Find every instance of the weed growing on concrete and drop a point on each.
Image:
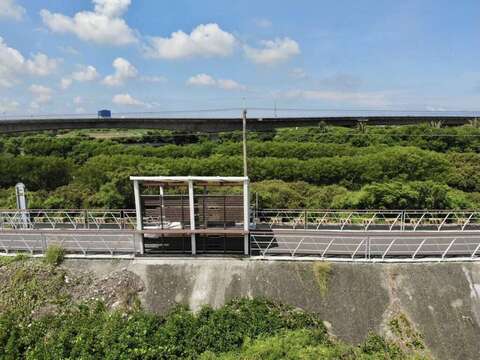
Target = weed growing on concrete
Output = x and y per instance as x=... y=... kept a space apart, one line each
x=322 y=270
x=404 y=330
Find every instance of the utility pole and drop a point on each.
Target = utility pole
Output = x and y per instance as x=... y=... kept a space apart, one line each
x=246 y=192
x=244 y=123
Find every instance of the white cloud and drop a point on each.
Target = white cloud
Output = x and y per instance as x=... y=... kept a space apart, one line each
x=127 y=99
x=273 y=51
x=207 y=80
x=77 y=100
x=66 y=82
x=104 y=25
x=41 y=95
x=154 y=79
x=41 y=65
x=14 y=64
x=205 y=40
x=111 y=8
x=346 y=98
x=228 y=84
x=9 y=9
x=123 y=71
x=11 y=64
x=201 y=80
x=7 y=105
x=85 y=73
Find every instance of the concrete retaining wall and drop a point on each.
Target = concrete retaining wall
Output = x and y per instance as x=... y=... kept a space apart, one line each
x=442 y=301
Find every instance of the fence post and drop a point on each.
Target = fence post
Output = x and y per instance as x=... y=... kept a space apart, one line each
x=305 y=217
x=366 y=248
x=369 y=248
x=44 y=242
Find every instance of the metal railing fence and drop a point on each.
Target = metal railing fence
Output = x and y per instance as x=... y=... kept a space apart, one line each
x=265 y=219
x=86 y=242
x=334 y=234
x=366 y=246
x=68 y=219
x=368 y=220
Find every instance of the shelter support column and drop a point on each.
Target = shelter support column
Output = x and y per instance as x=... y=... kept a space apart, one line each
x=138 y=212
x=246 y=216
x=191 y=202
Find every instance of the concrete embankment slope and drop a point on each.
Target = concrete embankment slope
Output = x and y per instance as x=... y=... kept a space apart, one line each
x=440 y=302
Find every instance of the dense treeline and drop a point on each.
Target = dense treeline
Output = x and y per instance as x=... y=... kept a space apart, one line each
x=38 y=172
x=397 y=167
x=461 y=139
x=341 y=141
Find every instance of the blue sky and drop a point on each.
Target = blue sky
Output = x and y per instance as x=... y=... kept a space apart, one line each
x=78 y=56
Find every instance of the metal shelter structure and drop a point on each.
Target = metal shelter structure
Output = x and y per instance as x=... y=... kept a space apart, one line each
x=169 y=210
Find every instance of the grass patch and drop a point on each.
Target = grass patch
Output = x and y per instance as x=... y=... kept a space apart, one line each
x=54 y=255
x=321 y=271
x=6 y=260
x=31 y=287
x=105 y=134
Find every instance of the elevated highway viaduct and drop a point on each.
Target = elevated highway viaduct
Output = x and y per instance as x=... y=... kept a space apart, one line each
x=212 y=125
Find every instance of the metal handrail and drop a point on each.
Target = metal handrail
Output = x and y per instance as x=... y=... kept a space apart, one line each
x=407 y=247
x=369 y=220
x=341 y=220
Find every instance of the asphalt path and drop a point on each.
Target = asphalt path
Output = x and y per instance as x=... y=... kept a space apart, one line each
x=325 y=243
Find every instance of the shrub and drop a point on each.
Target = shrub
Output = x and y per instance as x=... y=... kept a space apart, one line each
x=306 y=344
x=6 y=260
x=375 y=344
x=54 y=255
